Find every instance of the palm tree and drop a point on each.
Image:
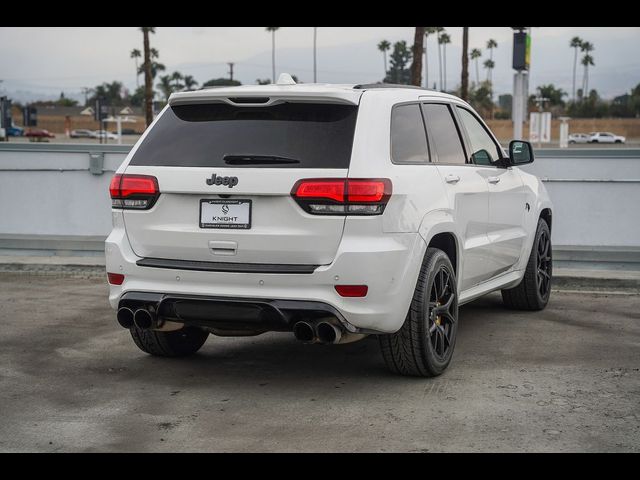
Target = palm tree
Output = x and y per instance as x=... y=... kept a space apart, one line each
x=464 y=81
x=439 y=31
x=189 y=82
x=165 y=86
x=384 y=47
x=576 y=43
x=475 y=55
x=416 y=65
x=148 y=80
x=136 y=54
x=175 y=78
x=444 y=39
x=491 y=44
x=489 y=64
x=587 y=60
x=427 y=31
x=273 y=31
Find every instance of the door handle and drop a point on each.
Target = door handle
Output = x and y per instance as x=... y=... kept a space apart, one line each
x=493 y=180
x=452 y=179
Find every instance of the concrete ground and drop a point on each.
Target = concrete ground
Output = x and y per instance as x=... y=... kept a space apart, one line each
x=566 y=379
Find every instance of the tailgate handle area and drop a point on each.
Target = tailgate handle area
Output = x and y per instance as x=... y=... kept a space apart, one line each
x=223 y=248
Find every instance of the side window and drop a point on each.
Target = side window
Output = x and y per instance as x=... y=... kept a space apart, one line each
x=484 y=149
x=408 y=138
x=443 y=133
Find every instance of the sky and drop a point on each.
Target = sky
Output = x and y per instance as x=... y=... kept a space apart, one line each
x=41 y=62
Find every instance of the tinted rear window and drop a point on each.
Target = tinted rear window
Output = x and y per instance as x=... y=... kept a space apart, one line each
x=216 y=135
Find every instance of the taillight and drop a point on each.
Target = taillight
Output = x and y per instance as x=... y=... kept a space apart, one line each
x=138 y=192
x=115 y=278
x=352 y=291
x=343 y=196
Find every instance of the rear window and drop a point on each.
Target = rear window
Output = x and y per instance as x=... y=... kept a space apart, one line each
x=291 y=135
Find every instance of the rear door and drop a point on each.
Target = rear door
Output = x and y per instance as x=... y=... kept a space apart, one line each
x=225 y=174
x=467 y=190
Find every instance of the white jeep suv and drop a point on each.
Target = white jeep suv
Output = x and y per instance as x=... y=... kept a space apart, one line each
x=330 y=211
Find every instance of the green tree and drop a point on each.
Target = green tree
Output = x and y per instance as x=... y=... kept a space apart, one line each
x=586 y=62
x=148 y=79
x=225 y=82
x=480 y=98
x=491 y=44
x=190 y=83
x=176 y=78
x=489 y=65
x=110 y=92
x=555 y=95
x=273 y=31
x=475 y=55
x=137 y=98
x=384 y=47
x=136 y=54
x=417 y=50
x=262 y=81
x=444 y=39
x=575 y=43
x=165 y=86
x=399 y=59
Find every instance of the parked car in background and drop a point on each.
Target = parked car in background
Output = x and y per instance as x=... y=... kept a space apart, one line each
x=81 y=133
x=15 y=131
x=128 y=131
x=39 y=133
x=579 y=138
x=605 y=137
x=103 y=134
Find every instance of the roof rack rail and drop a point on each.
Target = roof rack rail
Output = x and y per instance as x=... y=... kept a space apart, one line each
x=368 y=86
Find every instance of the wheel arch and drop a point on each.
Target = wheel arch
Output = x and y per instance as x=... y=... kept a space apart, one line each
x=447 y=242
x=547 y=215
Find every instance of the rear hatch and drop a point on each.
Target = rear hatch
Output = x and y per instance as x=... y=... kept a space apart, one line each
x=225 y=171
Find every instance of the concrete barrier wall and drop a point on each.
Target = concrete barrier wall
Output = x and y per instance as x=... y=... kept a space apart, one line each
x=51 y=199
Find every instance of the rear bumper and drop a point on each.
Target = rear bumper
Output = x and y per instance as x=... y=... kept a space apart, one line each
x=233 y=315
x=388 y=264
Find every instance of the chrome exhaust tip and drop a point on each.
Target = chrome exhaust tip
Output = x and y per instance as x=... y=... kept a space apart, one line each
x=328 y=333
x=143 y=319
x=304 y=332
x=125 y=317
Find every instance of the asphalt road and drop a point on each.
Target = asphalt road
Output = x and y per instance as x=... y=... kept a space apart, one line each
x=566 y=379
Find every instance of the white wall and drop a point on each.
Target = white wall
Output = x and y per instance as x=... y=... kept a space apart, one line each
x=47 y=191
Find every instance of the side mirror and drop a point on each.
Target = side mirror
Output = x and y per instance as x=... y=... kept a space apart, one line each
x=520 y=152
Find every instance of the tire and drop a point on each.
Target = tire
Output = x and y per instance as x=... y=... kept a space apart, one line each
x=534 y=290
x=413 y=350
x=179 y=343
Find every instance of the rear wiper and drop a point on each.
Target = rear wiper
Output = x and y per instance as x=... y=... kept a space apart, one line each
x=258 y=160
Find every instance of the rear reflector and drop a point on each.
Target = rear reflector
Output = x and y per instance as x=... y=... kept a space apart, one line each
x=352 y=290
x=115 y=278
x=138 y=192
x=342 y=196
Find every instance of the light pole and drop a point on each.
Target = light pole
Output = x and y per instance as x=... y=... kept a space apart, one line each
x=315 y=64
